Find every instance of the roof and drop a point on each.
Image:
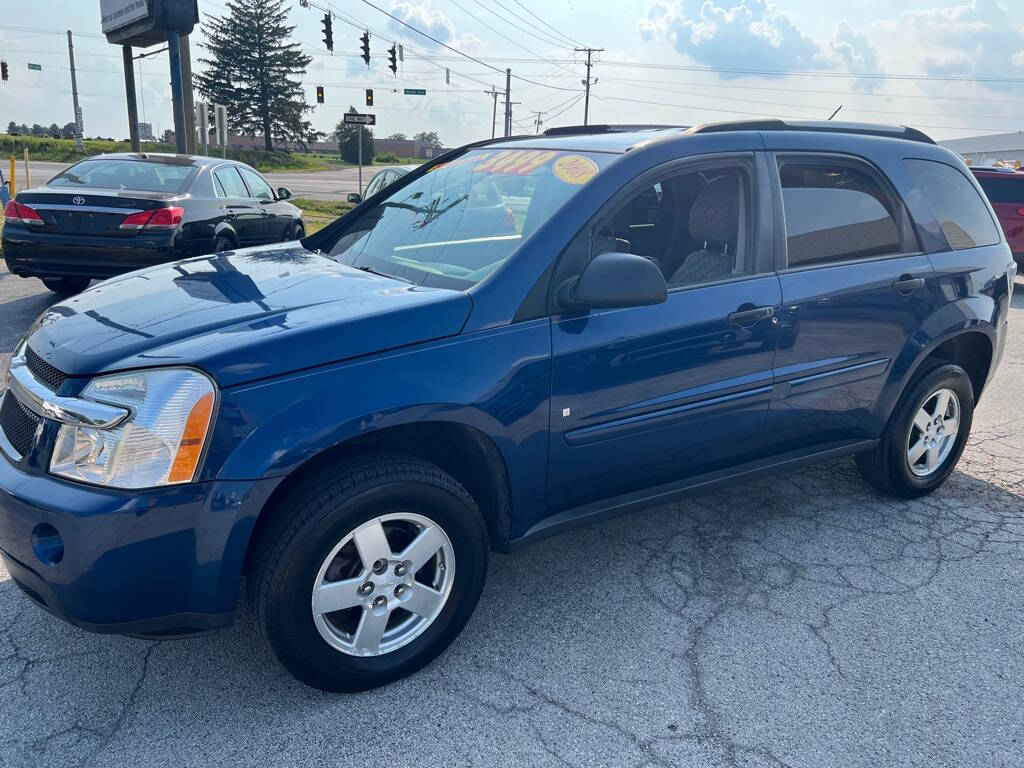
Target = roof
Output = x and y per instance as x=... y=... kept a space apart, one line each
x=999 y=142
x=994 y=170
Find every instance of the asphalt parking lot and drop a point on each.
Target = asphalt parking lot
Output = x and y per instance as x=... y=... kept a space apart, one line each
x=798 y=621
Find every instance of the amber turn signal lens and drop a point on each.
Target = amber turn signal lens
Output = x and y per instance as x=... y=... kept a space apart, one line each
x=191 y=448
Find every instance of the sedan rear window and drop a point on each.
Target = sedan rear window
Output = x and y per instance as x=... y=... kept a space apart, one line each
x=458 y=222
x=134 y=175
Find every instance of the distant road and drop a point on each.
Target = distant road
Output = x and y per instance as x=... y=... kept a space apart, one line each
x=320 y=185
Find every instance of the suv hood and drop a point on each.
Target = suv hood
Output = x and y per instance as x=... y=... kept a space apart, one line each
x=241 y=316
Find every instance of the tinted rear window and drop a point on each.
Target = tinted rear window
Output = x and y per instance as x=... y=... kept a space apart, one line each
x=1003 y=190
x=960 y=210
x=136 y=175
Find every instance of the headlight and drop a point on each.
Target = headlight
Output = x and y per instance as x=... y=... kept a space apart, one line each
x=160 y=443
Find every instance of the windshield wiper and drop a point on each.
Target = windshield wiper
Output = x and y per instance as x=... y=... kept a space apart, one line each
x=372 y=271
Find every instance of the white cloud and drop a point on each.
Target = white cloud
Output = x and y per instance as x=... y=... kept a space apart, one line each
x=435 y=23
x=754 y=34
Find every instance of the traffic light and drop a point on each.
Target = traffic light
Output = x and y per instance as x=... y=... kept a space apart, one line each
x=366 y=47
x=328 y=32
x=369 y=97
x=3 y=70
x=393 y=57
x=319 y=94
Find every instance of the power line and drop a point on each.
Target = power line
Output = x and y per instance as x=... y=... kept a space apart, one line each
x=548 y=40
x=554 y=29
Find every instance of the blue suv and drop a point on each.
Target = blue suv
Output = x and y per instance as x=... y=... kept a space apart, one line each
x=524 y=336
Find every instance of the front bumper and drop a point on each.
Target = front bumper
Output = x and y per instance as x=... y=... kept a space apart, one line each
x=163 y=562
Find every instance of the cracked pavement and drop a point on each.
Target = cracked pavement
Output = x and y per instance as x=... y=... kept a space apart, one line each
x=802 y=620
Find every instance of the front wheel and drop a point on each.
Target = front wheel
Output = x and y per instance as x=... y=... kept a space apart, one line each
x=925 y=436
x=368 y=571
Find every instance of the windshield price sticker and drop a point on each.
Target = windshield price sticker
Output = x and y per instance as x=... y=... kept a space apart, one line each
x=574 y=169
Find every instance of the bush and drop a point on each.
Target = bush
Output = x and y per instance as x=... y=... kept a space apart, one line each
x=386 y=157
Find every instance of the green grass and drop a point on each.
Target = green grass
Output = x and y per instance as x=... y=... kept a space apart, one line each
x=317 y=214
x=63 y=150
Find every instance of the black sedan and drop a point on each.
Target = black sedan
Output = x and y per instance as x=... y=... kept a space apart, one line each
x=114 y=213
x=380 y=180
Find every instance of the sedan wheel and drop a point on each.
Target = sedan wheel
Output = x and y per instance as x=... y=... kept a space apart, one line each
x=933 y=432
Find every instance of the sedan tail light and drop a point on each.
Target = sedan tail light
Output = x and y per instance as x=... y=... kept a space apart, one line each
x=14 y=211
x=157 y=218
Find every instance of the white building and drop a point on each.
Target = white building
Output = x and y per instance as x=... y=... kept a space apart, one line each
x=987 y=150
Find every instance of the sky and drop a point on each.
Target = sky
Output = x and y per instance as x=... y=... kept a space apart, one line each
x=951 y=69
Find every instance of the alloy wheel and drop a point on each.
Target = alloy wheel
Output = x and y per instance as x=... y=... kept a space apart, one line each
x=383 y=585
x=933 y=432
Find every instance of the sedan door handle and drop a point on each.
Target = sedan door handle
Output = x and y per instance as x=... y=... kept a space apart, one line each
x=750 y=316
x=906 y=284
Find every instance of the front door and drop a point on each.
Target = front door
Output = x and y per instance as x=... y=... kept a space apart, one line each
x=276 y=219
x=650 y=395
x=241 y=211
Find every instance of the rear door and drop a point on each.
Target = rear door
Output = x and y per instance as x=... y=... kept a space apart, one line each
x=650 y=395
x=277 y=218
x=855 y=289
x=241 y=211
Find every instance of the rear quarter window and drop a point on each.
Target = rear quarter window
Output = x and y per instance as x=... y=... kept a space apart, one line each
x=959 y=209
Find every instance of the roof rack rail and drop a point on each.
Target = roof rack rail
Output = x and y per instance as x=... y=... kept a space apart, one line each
x=820 y=126
x=994 y=169
x=572 y=130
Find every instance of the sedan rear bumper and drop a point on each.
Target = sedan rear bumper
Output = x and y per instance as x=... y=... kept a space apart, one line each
x=32 y=254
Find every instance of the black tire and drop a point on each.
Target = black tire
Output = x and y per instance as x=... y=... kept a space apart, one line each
x=886 y=466
x=66 y=286
x=223 y=243
x=294 y=232
x=313 y=518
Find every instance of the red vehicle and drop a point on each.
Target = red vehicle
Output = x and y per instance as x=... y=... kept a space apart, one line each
x=1005 y=190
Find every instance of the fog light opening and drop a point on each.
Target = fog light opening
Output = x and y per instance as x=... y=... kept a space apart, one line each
x=47 y=544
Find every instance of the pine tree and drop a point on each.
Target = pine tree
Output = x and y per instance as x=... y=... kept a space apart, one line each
x=255 y=69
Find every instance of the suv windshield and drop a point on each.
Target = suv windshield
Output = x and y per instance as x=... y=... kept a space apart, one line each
x=458 y=222
x=138 y=175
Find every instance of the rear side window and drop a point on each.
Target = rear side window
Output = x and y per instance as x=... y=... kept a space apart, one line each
x=836 y=211
x=1003 y=190
x=960 y=210
x=230 y=182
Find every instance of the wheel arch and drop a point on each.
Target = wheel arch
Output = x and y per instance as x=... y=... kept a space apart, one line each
x=224 y=229
x=464 y=452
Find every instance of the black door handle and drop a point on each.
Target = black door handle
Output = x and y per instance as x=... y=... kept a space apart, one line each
x=750 y=316
x=906 y=284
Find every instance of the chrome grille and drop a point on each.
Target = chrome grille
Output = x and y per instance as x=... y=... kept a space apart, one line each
x=43 y=371
x=18 y=423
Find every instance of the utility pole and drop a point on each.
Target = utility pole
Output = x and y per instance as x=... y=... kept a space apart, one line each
x=508 y=102
x=588 y=81
x=177 y=97
x=129 y=91
x=494 y=116
x=74 y=95
x=538 y=114
x=189 y=105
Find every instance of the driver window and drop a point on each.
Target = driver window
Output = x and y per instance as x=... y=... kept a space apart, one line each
x=257 y=186
x=693 y=226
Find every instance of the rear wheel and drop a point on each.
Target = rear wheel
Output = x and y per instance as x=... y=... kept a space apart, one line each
x=368 y=571
x=925 y=436
x=66 y=286
x=223 y=243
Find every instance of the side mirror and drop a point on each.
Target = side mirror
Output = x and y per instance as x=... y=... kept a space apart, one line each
x=283 y=193
x=613 y=280
x=354 y=197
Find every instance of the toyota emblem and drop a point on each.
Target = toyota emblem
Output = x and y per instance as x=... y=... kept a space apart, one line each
x=78 y=200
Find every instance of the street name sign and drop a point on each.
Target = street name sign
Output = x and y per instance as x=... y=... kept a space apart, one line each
x=415 y=91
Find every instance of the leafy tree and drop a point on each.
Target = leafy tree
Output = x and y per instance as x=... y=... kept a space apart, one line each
x=38 y=130
x=347 y=137
x=256 y=68
x=429 y=138
x=13 y=127
x=68 y=131
x=167 y=136
x=397 y=137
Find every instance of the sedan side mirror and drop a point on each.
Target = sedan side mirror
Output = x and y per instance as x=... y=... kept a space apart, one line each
x=283 y=193
x=354 y=197
x=613 y=280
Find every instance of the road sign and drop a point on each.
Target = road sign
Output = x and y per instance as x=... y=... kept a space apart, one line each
x=415 y=91
x=358 y=119
x=36 y=67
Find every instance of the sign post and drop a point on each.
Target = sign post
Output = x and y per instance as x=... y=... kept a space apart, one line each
x=204 y=126
x=220 y=119
x=355 y=118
